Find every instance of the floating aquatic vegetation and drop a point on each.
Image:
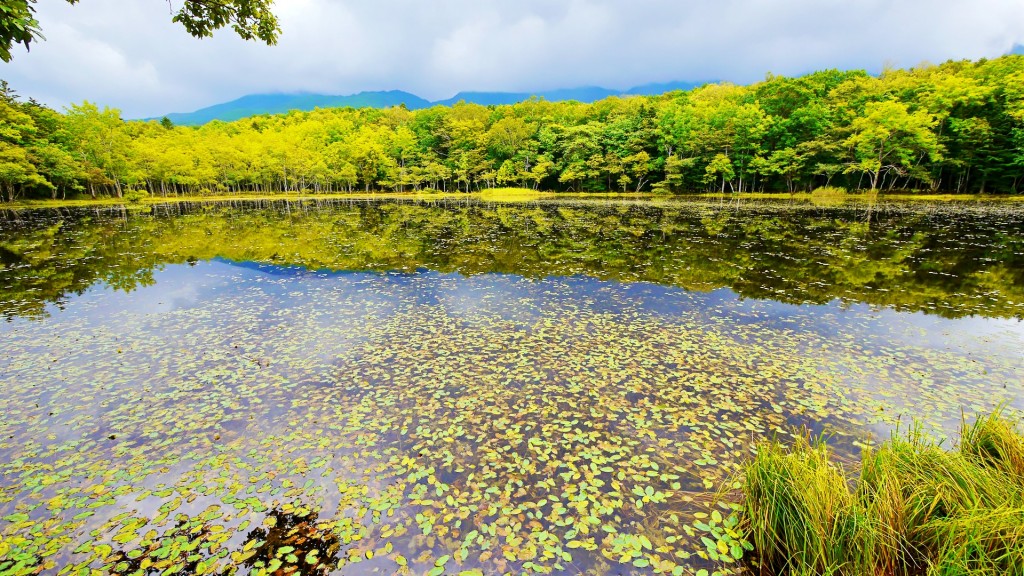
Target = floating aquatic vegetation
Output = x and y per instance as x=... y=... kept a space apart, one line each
x=243 y=418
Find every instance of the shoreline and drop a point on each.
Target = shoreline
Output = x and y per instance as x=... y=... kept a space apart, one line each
x=511 y=196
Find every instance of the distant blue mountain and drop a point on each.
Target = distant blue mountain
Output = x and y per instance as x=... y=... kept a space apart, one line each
x=587 y=94
x=281 y=103
x=256 y=104
x=1018 y=49
x=656 y=89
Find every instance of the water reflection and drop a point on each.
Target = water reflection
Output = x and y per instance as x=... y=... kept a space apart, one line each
x=949 y=261
x=410 y=388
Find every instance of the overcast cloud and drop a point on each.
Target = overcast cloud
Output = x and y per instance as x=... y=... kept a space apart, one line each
x=128 y=55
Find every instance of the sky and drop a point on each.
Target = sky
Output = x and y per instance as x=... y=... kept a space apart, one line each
x=129 y=55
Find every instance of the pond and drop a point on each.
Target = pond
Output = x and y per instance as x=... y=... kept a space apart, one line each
x=380 y=387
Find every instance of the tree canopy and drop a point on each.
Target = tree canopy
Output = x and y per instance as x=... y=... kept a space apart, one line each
x=956 y=127
x=250 y=19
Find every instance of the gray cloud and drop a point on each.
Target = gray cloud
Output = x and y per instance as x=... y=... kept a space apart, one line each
x=130 y=56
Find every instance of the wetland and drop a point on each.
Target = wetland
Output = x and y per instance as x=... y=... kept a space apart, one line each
x=437 y=387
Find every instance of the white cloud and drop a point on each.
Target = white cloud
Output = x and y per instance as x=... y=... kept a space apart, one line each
x=129 y=55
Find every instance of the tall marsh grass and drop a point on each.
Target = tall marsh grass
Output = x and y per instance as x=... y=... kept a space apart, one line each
x=828 y=192
x=915 y=508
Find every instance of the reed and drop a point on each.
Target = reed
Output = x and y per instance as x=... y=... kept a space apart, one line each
x=915 y=507
x=801 y=513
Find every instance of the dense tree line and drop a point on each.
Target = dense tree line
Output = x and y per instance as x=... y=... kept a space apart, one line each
x=955 y=127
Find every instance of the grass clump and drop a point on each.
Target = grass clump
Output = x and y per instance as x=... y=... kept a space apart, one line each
x=829 y=192
x=828 y=196
x=511 y=194
x=996 y=442
x=915 y=507
x=801 y=513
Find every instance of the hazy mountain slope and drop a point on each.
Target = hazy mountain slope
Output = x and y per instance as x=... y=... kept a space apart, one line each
x=255 y=104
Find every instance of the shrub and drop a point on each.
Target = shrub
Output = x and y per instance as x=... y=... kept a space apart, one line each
x=828 y=192
x=135 y=196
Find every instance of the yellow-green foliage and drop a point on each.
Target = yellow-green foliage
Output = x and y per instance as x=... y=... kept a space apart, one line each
x=511 y=194
x=829 y=192
x=995 y=441
x=896 y=131
x=828 y=196
x=801 y=514
x=917 y=508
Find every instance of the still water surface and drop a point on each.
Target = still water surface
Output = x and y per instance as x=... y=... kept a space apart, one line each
x=381 y=387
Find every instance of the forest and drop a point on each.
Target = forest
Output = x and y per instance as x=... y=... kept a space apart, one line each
x=956 y=127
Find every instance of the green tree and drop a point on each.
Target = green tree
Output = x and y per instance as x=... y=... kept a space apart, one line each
x=17 y=170
x=891 y=139
x=958 y=127
x=720 y=167
x=100 y=140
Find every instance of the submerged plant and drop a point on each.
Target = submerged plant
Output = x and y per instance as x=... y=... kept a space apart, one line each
x=723 y=536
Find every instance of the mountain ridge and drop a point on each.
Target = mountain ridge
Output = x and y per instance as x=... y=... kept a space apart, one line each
x=280 y=103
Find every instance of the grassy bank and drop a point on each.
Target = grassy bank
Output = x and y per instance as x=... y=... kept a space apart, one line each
x=914 y=508
x=487 y=195
x=149 y=200
x=819 y=197
x=839 y=196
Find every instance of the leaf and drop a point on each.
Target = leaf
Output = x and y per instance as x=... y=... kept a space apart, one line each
x=709 y=543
